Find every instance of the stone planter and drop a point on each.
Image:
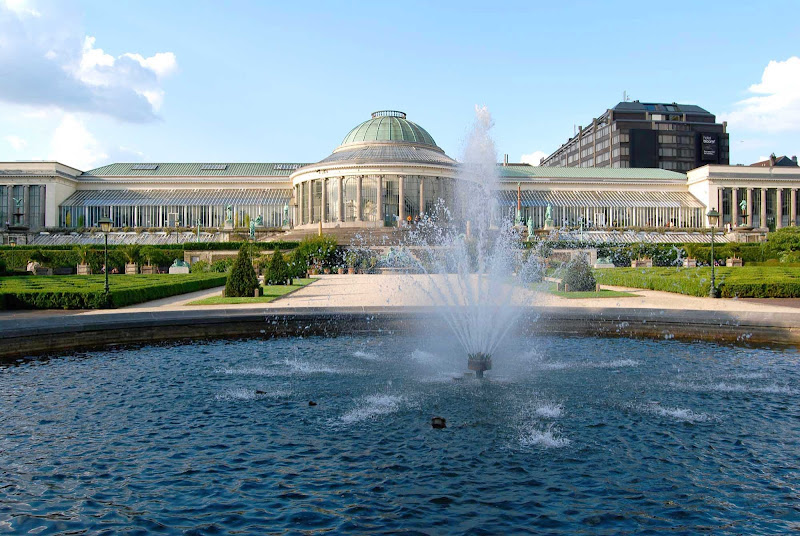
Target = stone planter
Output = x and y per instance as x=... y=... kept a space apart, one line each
x=84 y=269
x=733 y=261
x=147 y=269
x=690 y=263
x=131 y=268
x=642 y=263
x=326 y=270
x=340 y=271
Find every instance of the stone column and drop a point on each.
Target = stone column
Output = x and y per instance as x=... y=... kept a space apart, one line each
x=421 y=196
x=778 y=208
x=793 y=208
x=323 y=213
x=359 y=182
x=763 y=221
x=10 y=208
x=380 y=199
x=310 y=201
x=734 y=207
x=26 y=196
x=750 y=206
x=401 y=209
x=340 y=181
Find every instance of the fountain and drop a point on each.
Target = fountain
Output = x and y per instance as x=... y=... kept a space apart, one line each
x=471 y=254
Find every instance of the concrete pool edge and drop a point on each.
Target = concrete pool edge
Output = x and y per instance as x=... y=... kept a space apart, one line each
x=50 y=334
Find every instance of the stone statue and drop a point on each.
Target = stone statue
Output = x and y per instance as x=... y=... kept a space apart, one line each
x=260 y=221
x=530 y=226
x=548 y=213
x=252 y=229
x=286 y=213
x=229 y=214
x=743 y=206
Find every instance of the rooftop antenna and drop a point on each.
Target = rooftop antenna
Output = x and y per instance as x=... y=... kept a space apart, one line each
x=625 y=97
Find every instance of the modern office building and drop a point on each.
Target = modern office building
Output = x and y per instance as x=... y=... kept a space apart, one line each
x=386 y=170
x=676 y=137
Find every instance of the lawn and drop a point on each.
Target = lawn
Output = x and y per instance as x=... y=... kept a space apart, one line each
x=742 y=282
x=604 y=293
x=87 y=292
x=271 y=293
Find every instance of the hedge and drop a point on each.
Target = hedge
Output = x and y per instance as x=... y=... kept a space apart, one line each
x=194 y=246
x=87 y=292
x=742 y=282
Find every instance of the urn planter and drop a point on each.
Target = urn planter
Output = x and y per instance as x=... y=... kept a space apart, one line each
x=84 y=269
x=131 y=268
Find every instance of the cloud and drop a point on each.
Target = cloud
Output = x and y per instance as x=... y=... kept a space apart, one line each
x=44 y=63
x=534 y=158
x=74 y=145
x=776 y=106
x=16 y=142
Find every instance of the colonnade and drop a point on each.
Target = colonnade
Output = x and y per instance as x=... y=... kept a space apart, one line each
x=764 y=207
x=32 y=209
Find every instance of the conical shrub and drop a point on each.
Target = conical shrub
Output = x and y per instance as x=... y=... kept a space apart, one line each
x=278 y=270
x=578 y=275
x=242 y=280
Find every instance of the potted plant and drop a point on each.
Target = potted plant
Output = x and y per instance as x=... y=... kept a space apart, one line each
x=735 y=250
x=340 y=270
x=83 y=252
x=691 y=255
x=351 y=258
x=148 y=253
x=131 y=254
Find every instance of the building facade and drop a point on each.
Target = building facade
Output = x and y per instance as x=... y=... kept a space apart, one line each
x=676 y=137
x=386 y=171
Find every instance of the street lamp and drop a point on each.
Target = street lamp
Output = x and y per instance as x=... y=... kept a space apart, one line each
x=12 y=242
x=713 y=218
x=105 y=226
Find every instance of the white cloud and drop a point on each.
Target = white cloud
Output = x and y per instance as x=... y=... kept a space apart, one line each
x=16 y=142
x=56 y=66
x=74 y=145
x=533 y=158
x=20 y=7
x=776 y=106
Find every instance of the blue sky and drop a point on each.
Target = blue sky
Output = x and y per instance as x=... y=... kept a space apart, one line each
x=92 y=82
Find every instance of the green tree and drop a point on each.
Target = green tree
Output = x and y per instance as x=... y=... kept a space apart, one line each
x=278 y=270
x=578 y=275
x=242 y=280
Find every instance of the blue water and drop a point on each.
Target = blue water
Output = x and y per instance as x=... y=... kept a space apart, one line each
x=569 y=436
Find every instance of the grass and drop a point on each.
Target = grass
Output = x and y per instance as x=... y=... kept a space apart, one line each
x=87 y=292
x=271 y=293
x=742 y=282
x=604 y=293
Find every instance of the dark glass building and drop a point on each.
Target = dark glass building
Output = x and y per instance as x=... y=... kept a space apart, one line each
x=678 y=137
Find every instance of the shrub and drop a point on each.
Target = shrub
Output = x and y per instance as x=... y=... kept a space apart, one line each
x=578 y=275
x=277 y=271
x=298 y=264
x=200 y=267
x=319 y=251
x=221 y=265
x=131 y=253
x=242 y=280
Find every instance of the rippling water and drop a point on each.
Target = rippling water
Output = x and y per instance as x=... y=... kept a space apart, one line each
x=572 y=436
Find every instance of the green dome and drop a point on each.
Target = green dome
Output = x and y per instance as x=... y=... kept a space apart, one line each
x=389 y=125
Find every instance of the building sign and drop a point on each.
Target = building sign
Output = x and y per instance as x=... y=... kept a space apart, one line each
x=708 y=147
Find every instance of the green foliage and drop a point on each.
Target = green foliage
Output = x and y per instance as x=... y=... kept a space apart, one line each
x=298 y=264
x=83 y=251
x=87 y=292
x=222 y=265
x=278 y=270
x=131 y=253
x=783 y=240
x=242 y=280
x=742 y=282
x=319 y=251
x=578 y=275
x=2 y=266
x=200 y=267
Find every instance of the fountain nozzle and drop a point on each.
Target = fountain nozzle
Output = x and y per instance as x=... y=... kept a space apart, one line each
x=479 y=362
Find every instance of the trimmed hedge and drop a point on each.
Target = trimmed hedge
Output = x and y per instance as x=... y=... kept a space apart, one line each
x=87 y=292
x=742 y=282
x=194 y=246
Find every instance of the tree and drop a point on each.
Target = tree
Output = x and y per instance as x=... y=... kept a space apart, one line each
x=278 y=270
x=242 y=281
x=579 y=276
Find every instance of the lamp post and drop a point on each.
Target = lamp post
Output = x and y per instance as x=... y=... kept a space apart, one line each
x=105 y=226
x=713 y=218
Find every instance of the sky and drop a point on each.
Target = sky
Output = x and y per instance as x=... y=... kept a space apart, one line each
x=90 y=82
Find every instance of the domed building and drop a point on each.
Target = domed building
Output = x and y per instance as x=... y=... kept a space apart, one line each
x=386 y=170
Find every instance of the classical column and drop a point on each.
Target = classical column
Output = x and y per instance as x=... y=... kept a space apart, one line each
x=10 y=207
x=750 y=206
x=380 y=199
x=340 y=181
x=793 y=208
x=323 y=213
x=763 y=221
x=359 y=182
x=421 y=196
x=734 y=207
x=310 y=201
x=778 y=208
x=401 y=209
x=26 y=196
